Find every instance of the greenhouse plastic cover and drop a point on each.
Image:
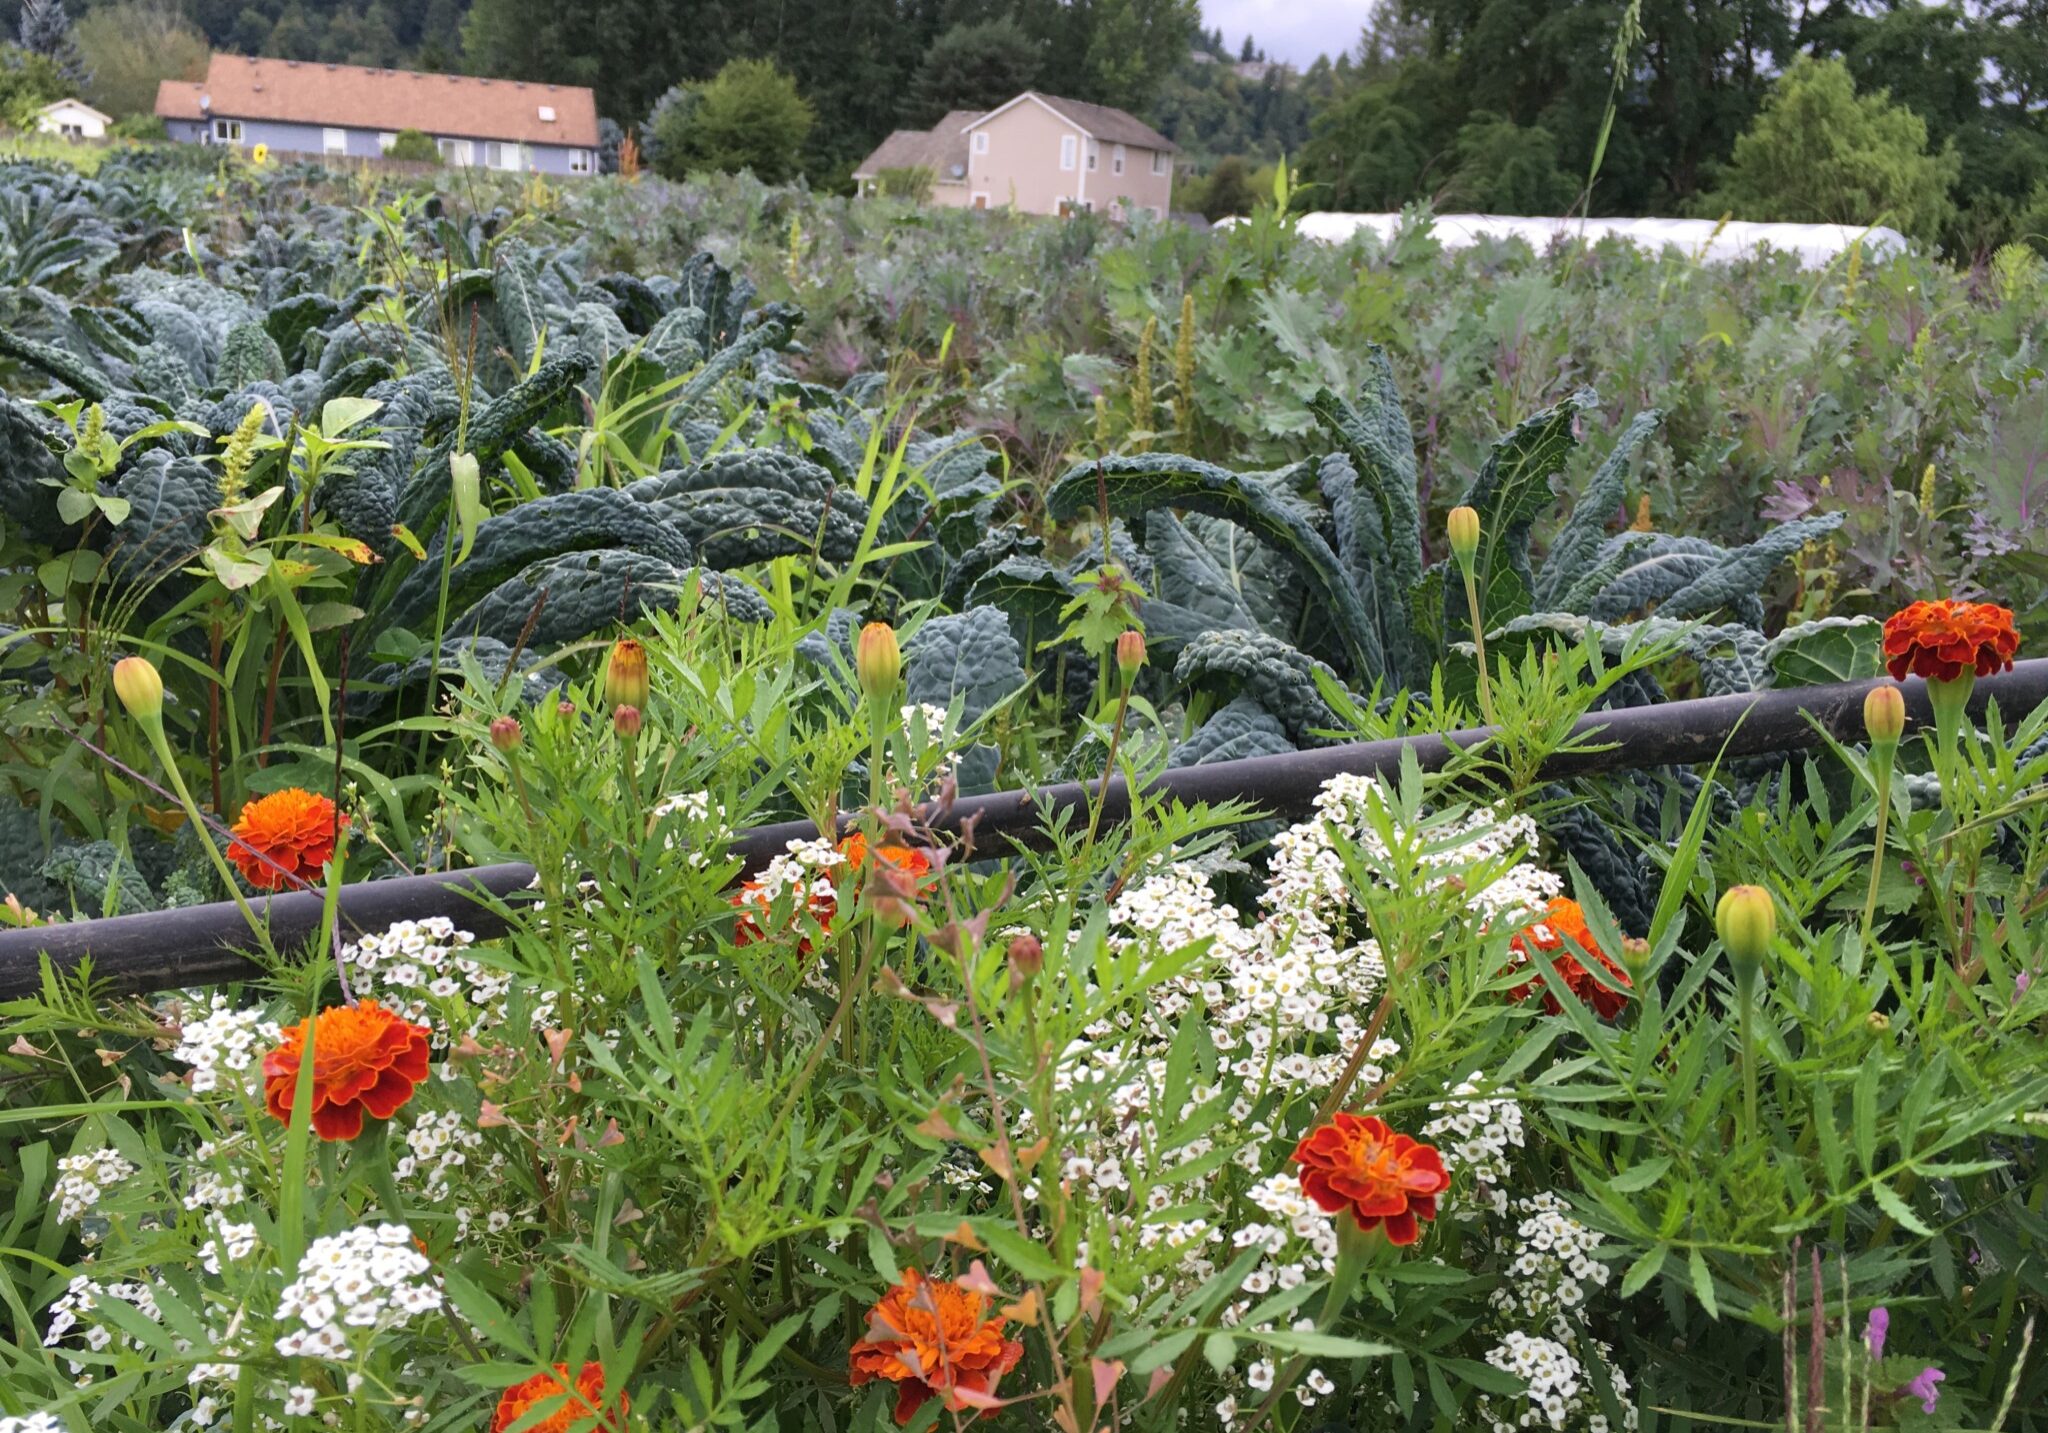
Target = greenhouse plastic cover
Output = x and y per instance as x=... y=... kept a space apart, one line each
x=1705 y=239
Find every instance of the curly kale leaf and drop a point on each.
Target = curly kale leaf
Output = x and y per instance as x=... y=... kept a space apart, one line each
x=591 y=518
x=1228 y=664
x=591 y=592
x=996 y=547
x=970 y=655
x=750 y=505
x=391 y=683
x=1512 y=488
x=27 y=502
x=249 y=355
x=1239 y=728
x=1259 y=504
x=1031 y=593
x=1583 y=532
x=167 y=524
x=80 y=375
x=1691 y=583
x=1377 y=514
x=98 y=879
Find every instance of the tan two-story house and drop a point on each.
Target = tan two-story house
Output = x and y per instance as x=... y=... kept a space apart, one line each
x=1038 y=154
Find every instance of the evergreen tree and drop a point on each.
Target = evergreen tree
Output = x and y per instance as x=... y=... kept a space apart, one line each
x=46 y=31
x=972 y=67
x=1821 y=153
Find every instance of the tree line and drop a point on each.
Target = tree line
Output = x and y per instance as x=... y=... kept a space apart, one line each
x=1931 y=117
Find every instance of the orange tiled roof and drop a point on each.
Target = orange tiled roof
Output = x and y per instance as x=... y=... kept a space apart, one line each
x=352 y=97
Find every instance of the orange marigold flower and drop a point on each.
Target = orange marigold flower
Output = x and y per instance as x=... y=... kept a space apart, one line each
x=1942 y=640
x=1562 y=935
x=366 y=1060
x=932 y=1340
x=579 y=1405
x=294 y=828
x=753 y=901
x=1386 y=1180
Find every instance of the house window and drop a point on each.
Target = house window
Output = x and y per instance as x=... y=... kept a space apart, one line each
x=334 y=141
x=981 y=141
x=1094 y=153
x=457 y=151
x=579 y=161
x=1116 y=160
x=71 y=131
x=1159 y=161
x=547 y=114
x=1068 y=146
x=385 y=139
x=227 y=131
x=501 y=156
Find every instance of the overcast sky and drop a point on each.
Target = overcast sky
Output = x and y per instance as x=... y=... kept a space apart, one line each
x=1292 y=30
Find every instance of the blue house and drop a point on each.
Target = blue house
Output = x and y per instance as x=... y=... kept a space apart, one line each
x=347 y=111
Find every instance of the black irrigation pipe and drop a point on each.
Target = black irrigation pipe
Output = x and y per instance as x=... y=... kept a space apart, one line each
x=201 y=945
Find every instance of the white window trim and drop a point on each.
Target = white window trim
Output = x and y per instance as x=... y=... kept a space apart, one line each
x=579 y=161
x=333 y=141
x=1094 y=155
x=227 y=131
x=385 y=139
x=981 y=141
x=459 y=152
x=1116 y=159
x=1160 y=164
x=1070 y=146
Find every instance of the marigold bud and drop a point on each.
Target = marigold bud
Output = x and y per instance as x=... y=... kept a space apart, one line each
x=626 y=720
x=565 y=708
x=1878 y=1021
x=140 y=687
x=1027 y=958
x=1635 y=956
x=1747 y=920
x=1130 y=653
x=1463 y=527
x=877 y=660
x=1884 y=715
x=505 y=732
x=625 y=674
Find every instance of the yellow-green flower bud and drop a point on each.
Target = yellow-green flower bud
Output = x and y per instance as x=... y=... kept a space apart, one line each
x=1747 y=920
x=878 y=660
x=1464 y=534
x=1130 y=654
x=625 y=675
x=140 y=687
x=1884 y=715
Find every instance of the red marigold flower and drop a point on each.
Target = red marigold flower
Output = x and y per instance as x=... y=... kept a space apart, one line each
x=753 y=901
x=1562 y=935
x=1942 y=640
x=932 y=1339
x=579 y=1405
x=294 y=828
x=1386 y=1180
x=366 y=1060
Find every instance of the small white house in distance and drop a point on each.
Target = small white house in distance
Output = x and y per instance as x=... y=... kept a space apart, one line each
x=73 y=119
x=1707 y=240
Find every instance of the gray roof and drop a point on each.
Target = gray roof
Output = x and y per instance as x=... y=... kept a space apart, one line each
x=1105 y=123
x=942 y=149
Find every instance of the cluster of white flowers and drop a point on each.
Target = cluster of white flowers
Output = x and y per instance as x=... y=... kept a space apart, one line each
x=802 y=872
x=697 y=809
x=33 y=1423
x=81 y=1296
x=1310 y=879
x=925 y=725
x=1473 y=1131
x=81 y=1178
x=1558 y=1396
x=230 y=1243
x=366 y=1279
x=417 y=969
x=224 y=1040
x=439 y=1145
x=1552 y=1266
x=210 y=1189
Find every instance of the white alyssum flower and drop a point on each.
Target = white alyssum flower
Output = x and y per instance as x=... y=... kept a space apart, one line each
x=438 y=1148
x=75 y=1308
x=81 y=1178
x=298 y=1401
x=230 y=1243
x=370 y=1278
x=225 y=1045
x=1552 y=1268
x=416 y=966
x=696 y=809
x=1474 y=1130
x=33 y=1423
